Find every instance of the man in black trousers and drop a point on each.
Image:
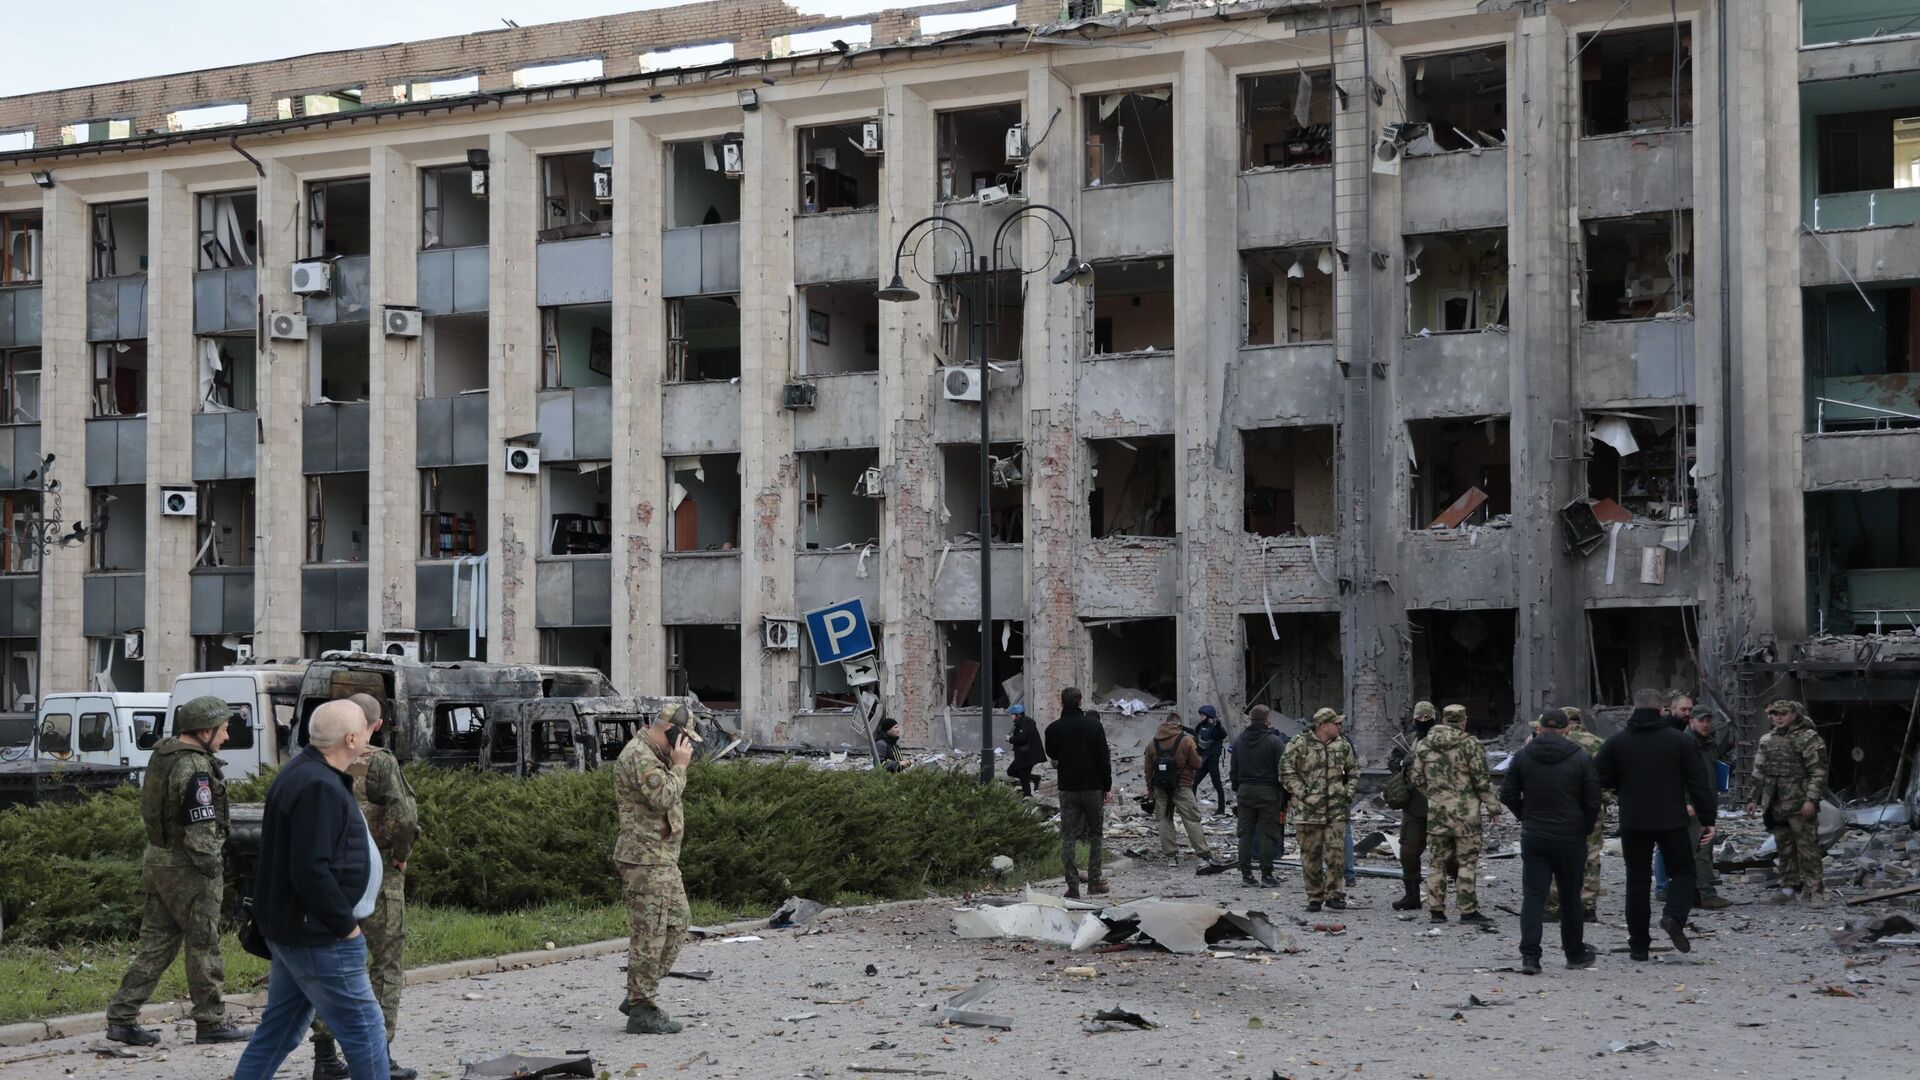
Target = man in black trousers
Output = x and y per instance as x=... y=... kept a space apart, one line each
x=1656 y=773
x=1554 y=792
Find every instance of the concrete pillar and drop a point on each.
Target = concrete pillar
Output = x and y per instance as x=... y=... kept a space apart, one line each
x=1206 y=336
x=513 y=378
x=280 y=492
x=769 y=514
x=639 y=361
x=1550 y=627
x=172 y=386
x=65 y=365
x=393 y=481
x=911 y=531
x=1056 y=523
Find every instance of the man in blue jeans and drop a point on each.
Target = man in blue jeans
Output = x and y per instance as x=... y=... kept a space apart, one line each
x=319 y=876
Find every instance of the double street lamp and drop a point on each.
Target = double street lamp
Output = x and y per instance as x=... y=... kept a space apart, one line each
x=981 y=278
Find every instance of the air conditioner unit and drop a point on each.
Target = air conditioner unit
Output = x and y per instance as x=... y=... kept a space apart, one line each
x=801 y=395
x=243 y=654
x=960 y=383
x=1016 y=144
x=477 y=183
x=287 y=326
x=312 y=277
x=733 y=159
x=523 y=460
x=133 y=644
x=178 y=502
x=358 y=644
x=869 y=484
x=870 y=138
x=406 y=650
x=990 y=196
x=603 y=186
x=403 y=322
x=779 y=633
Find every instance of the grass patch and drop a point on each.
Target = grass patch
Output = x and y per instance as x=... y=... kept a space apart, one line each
x=39 y=982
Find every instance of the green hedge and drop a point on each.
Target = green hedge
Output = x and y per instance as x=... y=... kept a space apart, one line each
x=756 y=833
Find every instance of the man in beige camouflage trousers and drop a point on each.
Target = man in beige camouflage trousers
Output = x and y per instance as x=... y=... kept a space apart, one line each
x=1450 y=768
x=1578 y=735
x=649 y=780
x=1790 y=768
x=393 y=818
x=1319 y=771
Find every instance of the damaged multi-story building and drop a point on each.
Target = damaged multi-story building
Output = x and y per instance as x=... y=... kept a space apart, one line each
x=1431 y=349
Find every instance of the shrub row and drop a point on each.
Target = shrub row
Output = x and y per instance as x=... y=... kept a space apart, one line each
x=756 y=833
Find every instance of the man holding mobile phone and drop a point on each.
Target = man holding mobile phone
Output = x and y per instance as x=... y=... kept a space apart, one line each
x=649 y=780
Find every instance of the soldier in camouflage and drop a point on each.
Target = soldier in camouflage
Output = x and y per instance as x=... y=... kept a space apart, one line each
x=1318 y=772
x=648 y=782
x=1578 y=735
x=1450 y=769
x=393 y=818
x=183 y=801
x=1790 y=770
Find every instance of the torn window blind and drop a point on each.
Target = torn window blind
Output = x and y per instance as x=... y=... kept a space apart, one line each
x=20 y=241
x=676 y=340
x=216 y=382
x=103 y=245
x=224 y=237
x=1614 y=432
x=316 y=220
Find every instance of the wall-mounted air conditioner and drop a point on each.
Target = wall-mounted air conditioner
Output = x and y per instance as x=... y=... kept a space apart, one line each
x=523 y=460
x=312 y=277
x=779 y=633
x=179 y=502
x=403 y=322
x=287 y=326
x=960 y=383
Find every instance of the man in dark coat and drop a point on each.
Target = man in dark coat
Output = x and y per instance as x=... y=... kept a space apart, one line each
x=1028 y=750
x=1262 y=811
x=1554 y=791
x=1657 y=773
x=1211 y=735
x=1077 y=744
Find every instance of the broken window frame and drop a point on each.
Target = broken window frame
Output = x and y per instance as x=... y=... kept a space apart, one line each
x=1008 y=474
x=1425 y=137
x=1681 y=453
x=20 y=511
x=710 y=149
x=1679 y=80
x=947 y=151
x=1096 y=168
x=107 y=372
x=1092 y=320
x=317 y=522
x=316 y=207
x=1296 y=437
x=207 y=542
x=560 y=205
x=674 y=468
x=433 y=205
x=441 y=531
x=22 y=240
x=679 y=682
x=813 y=497
x=225 y=240
x=811 y=199
x=553 y=364
x=100 y=502
x=21 y=372
x=1424 y=520
x=1166 y=508
x=679 y=348
x=106 y=240
x=1307 y=145
x=1416 y=247
x=1270 y=258
x=1009 y=661
x=584 y=534
x=314 y=102
x=1678 y=294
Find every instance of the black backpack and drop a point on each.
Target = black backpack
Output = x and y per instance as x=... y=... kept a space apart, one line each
x=1166 y=774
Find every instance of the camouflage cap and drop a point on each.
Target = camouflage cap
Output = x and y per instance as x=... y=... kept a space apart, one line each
x=1572 y=714
x=1454 y=712
x=1327 y=716
x=677 y=714
x=1785 y=705
x=1423 y=708
x=201 y=714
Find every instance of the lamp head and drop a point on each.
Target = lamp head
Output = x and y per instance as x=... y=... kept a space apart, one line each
x=897 y=292
x=1077 y=272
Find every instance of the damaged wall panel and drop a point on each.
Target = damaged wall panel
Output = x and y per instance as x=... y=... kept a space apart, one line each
x=1292 y=662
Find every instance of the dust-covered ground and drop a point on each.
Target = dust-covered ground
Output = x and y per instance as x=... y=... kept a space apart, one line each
x=1764 y=993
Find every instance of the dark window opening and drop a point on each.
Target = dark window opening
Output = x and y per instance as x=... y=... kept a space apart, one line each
x=1863 y=554
x=225 y=523
x=703 y=339
x=576 y=346
x=701 y=191
x=1639 y=267
x=1006 y=491
x=1293 y=662
x=118 y=541
x=96 y=732
x=1466 y=658
x=20 y=515
x=503 y=745
x=452 y=214
x=842 y=330
x=453 y=512
x=339 y=218
x=839 y=498
x=1868 y=151
x=1637 y=80
x=578 y=507
x=120 y=378
x=1286 y=119
x=1134 y=660
x=835 y=174
x=1288 y=475
x=705 y=661
x=703 y=494
x=823 y=684
x=119 y=239
x=456 y=356
x=1133 y=306
x=578 y=646
x=1461 y=98
x=1643 y=461
x=109 y=669
x=1131 y=489
x=229 y=373
x=960 y=652
x=1129 y=136
x=229 y=225
x=20 y=386
x=1862 y=360
x=1462 y=472
x=1641 y=646
x=215 y=652
x=1289 y=295
x=1456 y=282
x=972 y=147
x=1006 y=320
x=460 y=728
x=447 y=646
x=1826 y=22
x=337 y=518
x=1867 y=742
x=340 y=362
x=19 y=677
x=579 y=194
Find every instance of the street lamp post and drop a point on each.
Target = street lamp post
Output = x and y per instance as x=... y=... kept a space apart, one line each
x=983 y=281
x=44 y=531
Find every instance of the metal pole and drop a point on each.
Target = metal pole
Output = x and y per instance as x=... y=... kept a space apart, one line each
x=982 y=318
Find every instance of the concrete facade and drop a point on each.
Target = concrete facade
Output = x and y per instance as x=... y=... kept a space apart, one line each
x=1432 y=376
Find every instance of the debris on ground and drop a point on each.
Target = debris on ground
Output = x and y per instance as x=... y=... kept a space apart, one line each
x=1117 y=1019
x=1638 y=1047
x=513 y=1066
x=957 y=1009
x=797 y=911
x=697 y=976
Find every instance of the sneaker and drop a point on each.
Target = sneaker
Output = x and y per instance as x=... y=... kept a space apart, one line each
x=1439 y=916
x=224 y=1032
x=1096 y=888
x=1409 y=902
x=1474 y=918
x=1677 y=934
x=1529 y=965
x=327 y=1062
x=1338 y=903
x=1715 y=902
x=133 y=1035
x=649 y=1020
x=1640 y=955
x=1588 y=954
x=1313 y=905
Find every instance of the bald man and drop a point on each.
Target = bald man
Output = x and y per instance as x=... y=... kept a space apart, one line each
x=319 y=875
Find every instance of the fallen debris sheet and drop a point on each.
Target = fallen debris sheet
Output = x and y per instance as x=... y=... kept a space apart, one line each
x=697 y=976
x=955 y=1009
x=1883 y=930
x=1884 y=894
x=1634 y=1048
x=1028 y=922
x=1175 y=926
x=518 y=1065
x=795 y=912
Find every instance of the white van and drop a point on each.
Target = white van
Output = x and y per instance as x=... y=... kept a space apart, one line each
x=265 y=698
x=99 y=728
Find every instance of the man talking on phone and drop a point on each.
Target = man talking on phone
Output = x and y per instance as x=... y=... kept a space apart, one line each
x=648 y=782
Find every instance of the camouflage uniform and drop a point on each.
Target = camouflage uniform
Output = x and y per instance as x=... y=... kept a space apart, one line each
x=183 y=801
x=648 y=789
x=387 y=802
x=1586 y=740
x=1319 y=778
x=1791 y=770
x=1450 y=767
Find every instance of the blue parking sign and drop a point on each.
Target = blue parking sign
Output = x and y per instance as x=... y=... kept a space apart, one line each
x=839 y=631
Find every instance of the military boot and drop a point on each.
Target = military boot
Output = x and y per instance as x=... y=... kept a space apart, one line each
x=133 y=1035
x=224 y=1032
x=646 y=1019
x=1409 y=902
x=397 y=1071
x=327 y=1062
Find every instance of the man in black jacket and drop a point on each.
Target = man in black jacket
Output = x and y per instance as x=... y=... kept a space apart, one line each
x=1656 y=773
x=1554 y=792
x=1078 y=746
x=1261 y=804
x=319 y=876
